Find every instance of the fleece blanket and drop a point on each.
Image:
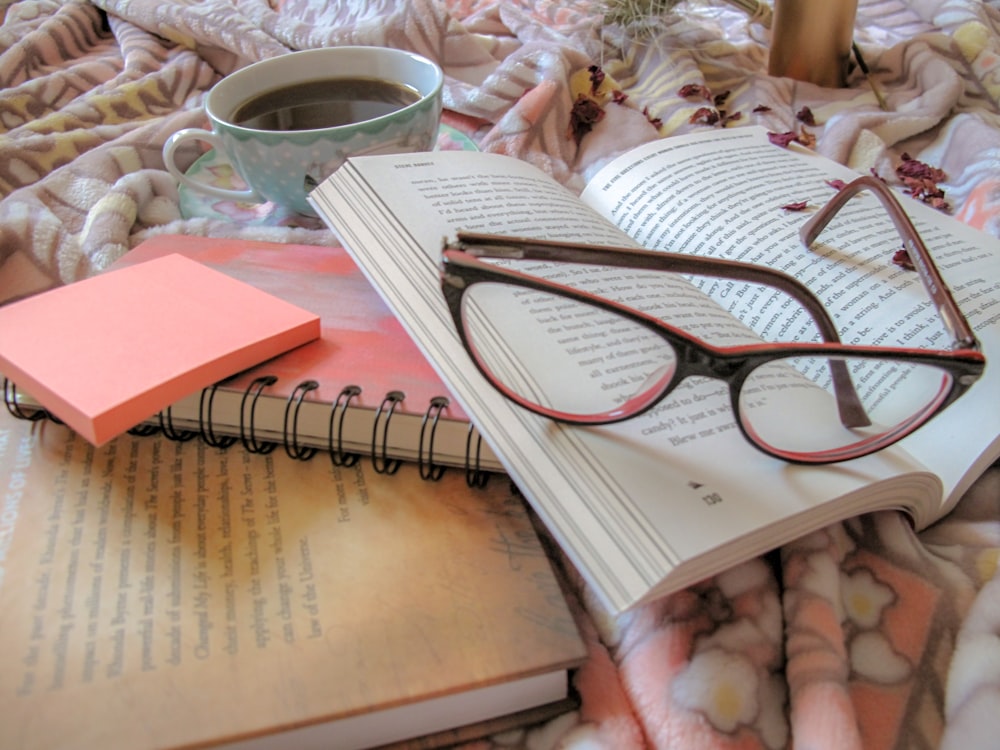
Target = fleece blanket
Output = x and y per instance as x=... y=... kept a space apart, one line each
x=863 y=635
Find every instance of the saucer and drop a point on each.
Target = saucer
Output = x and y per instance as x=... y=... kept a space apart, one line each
x=213 y=169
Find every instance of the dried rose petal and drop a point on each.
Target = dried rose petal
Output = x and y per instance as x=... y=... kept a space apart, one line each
x=926 y=191
x=705 y=115
x=618 y=96
x=921 y=181
x=656 y=122
x=939 y=202
x=806 y=138
x=902 y=259
x=805 y=116
x=728 y=118
x=836 y=184
x=761 y=108
x=782 y=139
x=695 y=89
x=911 y=167
x=797 y=206
x=582 y=116
x=720 y=99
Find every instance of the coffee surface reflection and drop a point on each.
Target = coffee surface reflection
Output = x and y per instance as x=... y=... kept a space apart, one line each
x=323 y=103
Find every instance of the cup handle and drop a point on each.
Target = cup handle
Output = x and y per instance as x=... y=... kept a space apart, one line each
x=198 y=134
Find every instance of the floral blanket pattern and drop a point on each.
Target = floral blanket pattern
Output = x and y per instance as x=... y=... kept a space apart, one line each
x=863 y=635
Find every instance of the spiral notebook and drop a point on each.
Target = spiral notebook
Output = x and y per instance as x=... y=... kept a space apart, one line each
x=362 y=389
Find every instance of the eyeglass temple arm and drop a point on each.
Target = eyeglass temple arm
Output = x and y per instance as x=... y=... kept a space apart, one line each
x=497 y=246
x=852 y=413
x=920 y=256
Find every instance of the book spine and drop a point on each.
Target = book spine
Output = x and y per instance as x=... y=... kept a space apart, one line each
x=382 y=460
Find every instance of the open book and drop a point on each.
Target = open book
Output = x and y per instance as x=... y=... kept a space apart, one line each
x=657 y=502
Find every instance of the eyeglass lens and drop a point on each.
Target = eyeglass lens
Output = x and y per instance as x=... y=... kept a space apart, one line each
x=789 y=405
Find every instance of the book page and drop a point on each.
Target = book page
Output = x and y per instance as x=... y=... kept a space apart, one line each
x=722 y=195
x=631 y=502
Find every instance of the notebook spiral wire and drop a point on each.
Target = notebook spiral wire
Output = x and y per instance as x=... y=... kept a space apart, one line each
x=429 y=469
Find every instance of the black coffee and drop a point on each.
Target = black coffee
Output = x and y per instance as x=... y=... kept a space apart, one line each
x=323 y=103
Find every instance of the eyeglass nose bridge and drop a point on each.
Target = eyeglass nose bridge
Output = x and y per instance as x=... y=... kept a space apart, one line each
x=694 y=360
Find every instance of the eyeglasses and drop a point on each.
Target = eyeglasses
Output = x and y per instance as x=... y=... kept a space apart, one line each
x=577 y=357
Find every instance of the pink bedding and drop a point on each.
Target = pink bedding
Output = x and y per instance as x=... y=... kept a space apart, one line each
x=864 y=635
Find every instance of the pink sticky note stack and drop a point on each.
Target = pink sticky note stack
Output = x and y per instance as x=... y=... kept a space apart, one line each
x=108 y=352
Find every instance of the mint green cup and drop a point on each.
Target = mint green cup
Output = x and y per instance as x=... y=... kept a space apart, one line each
x=282 y=166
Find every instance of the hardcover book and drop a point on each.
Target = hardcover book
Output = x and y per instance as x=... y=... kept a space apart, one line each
x=168 y=594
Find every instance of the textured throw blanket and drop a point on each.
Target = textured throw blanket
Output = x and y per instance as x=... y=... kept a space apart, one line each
x=863 y=635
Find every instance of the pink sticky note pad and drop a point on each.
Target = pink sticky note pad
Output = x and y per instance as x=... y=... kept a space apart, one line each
x=108 y=352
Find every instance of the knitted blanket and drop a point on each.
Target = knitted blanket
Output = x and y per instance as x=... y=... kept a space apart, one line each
x=863 y=635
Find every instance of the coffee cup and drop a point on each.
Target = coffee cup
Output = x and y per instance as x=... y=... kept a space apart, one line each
x=286 y=123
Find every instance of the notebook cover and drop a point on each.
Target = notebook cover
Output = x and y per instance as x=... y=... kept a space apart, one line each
x=361 y=340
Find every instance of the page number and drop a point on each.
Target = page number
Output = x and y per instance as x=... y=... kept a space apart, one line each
x=712 y=498
x=709 y=498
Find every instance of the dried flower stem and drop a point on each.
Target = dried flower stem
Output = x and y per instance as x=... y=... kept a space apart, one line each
x=643 y=12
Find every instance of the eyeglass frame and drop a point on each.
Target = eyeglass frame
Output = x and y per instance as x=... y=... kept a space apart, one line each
x=461 y=268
